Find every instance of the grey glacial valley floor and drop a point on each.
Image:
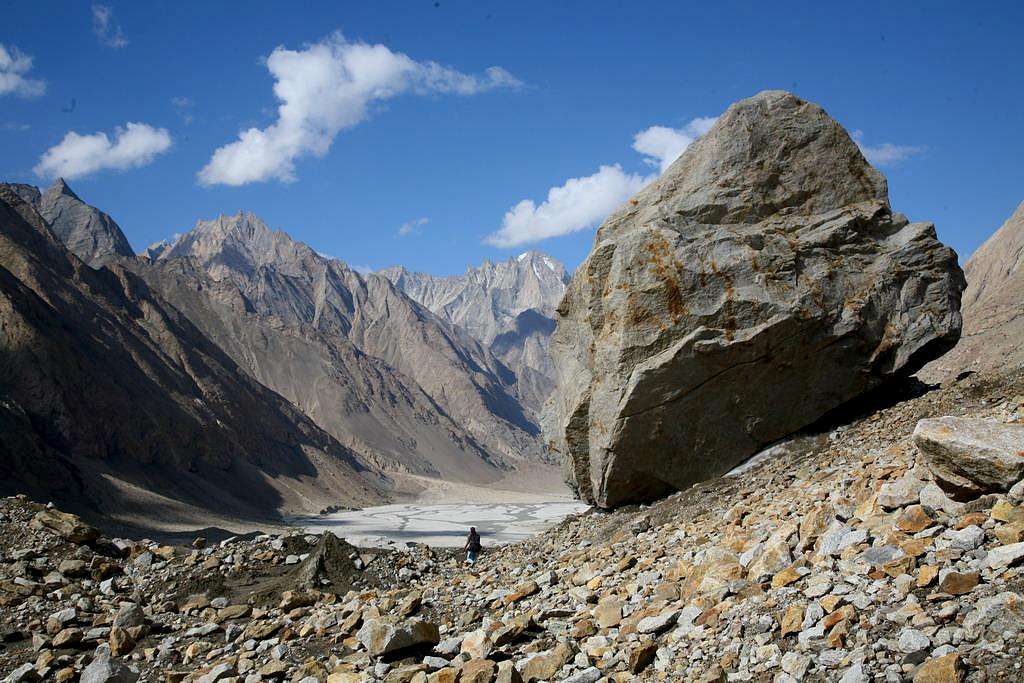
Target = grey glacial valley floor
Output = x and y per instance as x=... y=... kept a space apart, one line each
x=441 y=525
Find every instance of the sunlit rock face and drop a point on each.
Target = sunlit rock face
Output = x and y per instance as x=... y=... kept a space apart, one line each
x=760 y=282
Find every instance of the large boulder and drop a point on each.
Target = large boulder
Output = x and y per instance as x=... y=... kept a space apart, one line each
x=383 y=638
x=972 y=455
x=760 y=282
x=66 y=525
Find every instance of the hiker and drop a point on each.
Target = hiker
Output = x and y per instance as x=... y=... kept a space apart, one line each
x=472 y=546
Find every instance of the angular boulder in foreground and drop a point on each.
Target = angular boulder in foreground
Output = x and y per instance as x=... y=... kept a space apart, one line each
x=972 y=456
x=762 y=281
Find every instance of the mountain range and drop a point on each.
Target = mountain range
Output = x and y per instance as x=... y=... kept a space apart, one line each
x=113 y=403
x=396 y=388
x=508 y=306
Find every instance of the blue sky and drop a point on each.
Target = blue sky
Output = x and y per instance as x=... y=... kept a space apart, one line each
x=446 y=147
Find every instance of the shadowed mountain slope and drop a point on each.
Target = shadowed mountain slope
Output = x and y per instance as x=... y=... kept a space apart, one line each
x=113 y=403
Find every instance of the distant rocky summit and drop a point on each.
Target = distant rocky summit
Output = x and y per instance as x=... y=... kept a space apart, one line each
x=508 y=307
x=993 y=307
x=762 y=281
x=379 y=372
x=87 y=232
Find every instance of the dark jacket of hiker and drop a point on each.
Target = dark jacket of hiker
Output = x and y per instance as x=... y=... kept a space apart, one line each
x=473 y=541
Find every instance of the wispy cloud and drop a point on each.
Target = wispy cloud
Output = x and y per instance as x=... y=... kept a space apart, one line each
x=16 y=127
x=183 y=107
x=14 y=65
x=580 y=203
x=362 y=270
x=413 y=227
x=137 y=144
x=886 y=154
x=104 y=28
x=324 y=89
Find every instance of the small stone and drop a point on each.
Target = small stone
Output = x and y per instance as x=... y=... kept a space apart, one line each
x=478 y=671
x=1016 y=493
x=104 y=669
x=795 y=664
x=590 y=675
x=956 y=583
x=522 y=591
x=786 y=577
x=792 y=621
x=641 y=656
x=121 y=642
x=996 y=616
x=657 y=624
x=69 y=637
x=608 y=612
x=911 y=640
x=129 y=615
x=926 y=575
x=1004 y=511
x=477 y=645
x=968 y=538
x=1004 y=555
x=915 y=518
x=507 y=673
x=900 y=493
x=946 y=669
x=217 y=673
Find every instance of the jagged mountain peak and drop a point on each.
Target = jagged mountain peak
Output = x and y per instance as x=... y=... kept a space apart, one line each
x=60 y=186
x=89 y=233
x=243 y=242
x=507 y=306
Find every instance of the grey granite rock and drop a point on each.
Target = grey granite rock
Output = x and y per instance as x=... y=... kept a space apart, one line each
x=762 y=281
x=972 y=455
x=105 y=669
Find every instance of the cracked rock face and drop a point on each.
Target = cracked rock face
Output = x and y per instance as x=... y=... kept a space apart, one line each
x=762 y=281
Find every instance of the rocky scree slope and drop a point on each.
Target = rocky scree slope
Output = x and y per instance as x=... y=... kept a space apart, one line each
x=113 y=403
x=760 y=282
x=837 y=558
x=508 y=307
x=367 y=363
x=992 y=310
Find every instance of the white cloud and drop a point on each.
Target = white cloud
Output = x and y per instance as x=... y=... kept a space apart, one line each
x=106 y=31
x=15 y=126
x=886 y=153
x=662 y=145
x=324 y=89
x=581 y=203
x=137 y=144
x=14 y=65
x=577 y=204
x=412 y=227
